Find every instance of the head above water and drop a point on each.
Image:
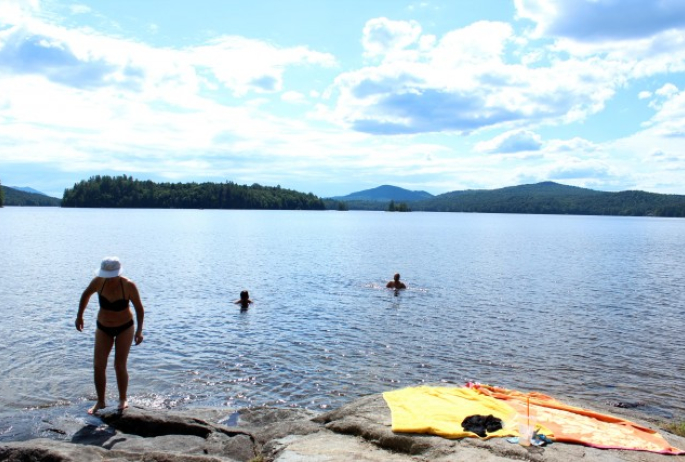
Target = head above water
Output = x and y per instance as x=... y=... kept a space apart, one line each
x=396 y=277
x=110 y=267
x=244 y=295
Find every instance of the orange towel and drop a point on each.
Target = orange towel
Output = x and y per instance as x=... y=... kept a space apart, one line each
x=572 y=424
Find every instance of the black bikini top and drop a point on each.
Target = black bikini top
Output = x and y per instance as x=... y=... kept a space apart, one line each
x=117 y=305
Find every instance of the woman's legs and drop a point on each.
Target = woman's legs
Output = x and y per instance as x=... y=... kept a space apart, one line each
x=103 y=345
x=123 y=346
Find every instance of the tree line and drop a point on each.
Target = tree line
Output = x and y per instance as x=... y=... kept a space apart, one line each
x=551 y=198
x=126 y=192
x=541 y=198
x=367 y=205
x=18 y=198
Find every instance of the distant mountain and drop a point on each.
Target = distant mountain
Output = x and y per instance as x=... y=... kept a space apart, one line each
x=16 y=197
x=553 y=198
x=547 y=197
x=27 y=190
x=386 y=193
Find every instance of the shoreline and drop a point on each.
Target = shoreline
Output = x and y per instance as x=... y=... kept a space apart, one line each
x=359 y=430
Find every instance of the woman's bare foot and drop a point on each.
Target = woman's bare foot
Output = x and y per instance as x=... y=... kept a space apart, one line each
x=96 y=407
x=123 y=404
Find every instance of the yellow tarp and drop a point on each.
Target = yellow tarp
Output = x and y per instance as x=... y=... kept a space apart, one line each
x=440 y=411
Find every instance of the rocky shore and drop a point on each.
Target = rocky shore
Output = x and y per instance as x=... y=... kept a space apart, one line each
x=358 y=431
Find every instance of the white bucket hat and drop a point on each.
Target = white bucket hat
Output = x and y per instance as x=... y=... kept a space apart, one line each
x=110 y=267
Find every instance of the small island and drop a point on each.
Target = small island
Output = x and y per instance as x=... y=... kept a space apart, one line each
x=125 y=192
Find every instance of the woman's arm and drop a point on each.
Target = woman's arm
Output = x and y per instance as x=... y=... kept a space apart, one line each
x=140 y=311
x=83 y=303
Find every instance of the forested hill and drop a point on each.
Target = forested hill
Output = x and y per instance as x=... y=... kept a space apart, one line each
x=385 y=193
x=15 y=197
x=553 y=198
x=126 y=192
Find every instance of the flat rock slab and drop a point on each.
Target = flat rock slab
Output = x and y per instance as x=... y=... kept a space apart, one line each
x=358 y=431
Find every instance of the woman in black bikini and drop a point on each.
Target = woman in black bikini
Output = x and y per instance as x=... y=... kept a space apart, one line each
x=114 y=326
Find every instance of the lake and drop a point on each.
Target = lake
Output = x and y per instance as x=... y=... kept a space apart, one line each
x=585 y=307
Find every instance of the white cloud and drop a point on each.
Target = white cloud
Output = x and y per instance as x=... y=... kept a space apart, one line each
x=512 y=142
x=18 y=11
x=667 y=90
x=82 y=58
x=293 y=97
x=602 y=20
x=637 y=38
x=382 y=36
x=77 y=100
x=79 y=8
x=466 y=81
x=245 y=65
x=669 y=121
x=674 y=160
x=580 y=170
x=575 y=145
x=475 y=44
x=652 y=158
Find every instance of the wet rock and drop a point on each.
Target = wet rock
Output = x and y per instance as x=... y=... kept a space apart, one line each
x=625 y=404
x=360 y=430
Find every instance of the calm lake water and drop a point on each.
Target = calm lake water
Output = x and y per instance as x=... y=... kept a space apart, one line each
x=585 y=307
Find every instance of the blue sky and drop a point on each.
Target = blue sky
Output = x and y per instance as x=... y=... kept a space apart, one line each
x=333 y=97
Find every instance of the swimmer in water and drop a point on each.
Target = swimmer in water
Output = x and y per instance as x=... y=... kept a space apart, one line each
x=244 y=300
x=396 y=283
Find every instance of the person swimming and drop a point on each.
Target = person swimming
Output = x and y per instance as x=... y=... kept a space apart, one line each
x=396 y=283
x=244 y=300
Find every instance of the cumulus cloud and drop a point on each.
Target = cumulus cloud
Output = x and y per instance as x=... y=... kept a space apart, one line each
x=484 y=76
x=74 y=98
x=79 y=100
x=591 y=20
x=667 y=90
x=245 y=65
x=671 y=159
x=644 y=38
x=293 y=97
x=669 y=120
x=572 y=145
x=55 y=58
x=381 y=36
x=84 y=59
x=580 y=169
x=512 y=142
x=466 y=81
x=18 y=11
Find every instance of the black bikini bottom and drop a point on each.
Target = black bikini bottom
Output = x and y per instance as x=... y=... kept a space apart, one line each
x=114 y=331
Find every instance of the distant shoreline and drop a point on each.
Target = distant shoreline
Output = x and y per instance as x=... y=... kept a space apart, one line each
x=546 y=198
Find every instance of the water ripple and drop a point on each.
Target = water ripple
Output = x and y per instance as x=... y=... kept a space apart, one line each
x=586 y=307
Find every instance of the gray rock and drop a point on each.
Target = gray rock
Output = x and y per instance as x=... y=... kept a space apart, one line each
x=358 y=431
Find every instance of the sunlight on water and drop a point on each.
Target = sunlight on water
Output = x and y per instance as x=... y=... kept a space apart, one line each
x=583 y=307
